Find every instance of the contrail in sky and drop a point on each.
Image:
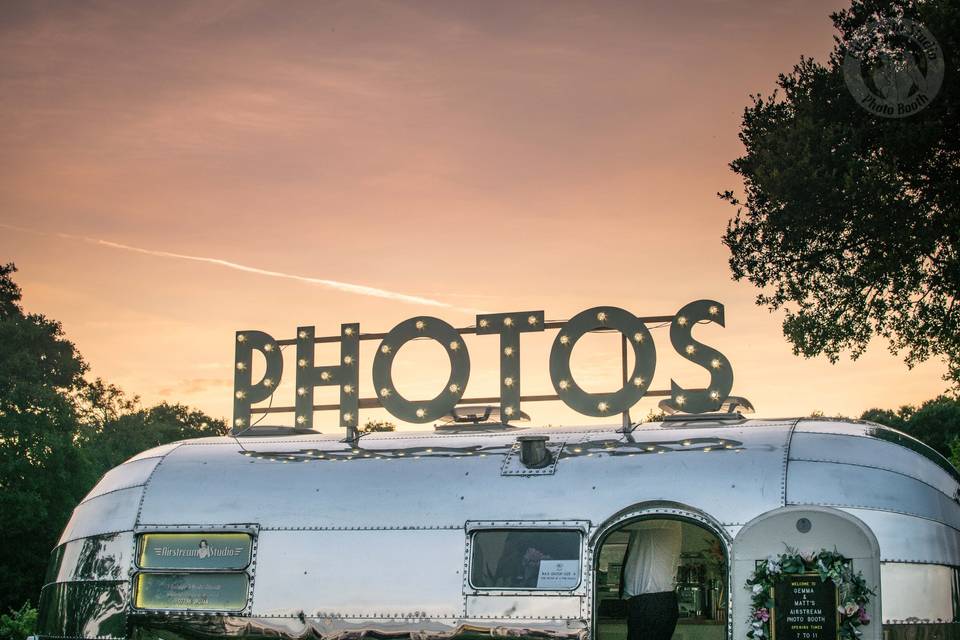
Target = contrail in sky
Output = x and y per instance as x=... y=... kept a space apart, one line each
x=346 y=287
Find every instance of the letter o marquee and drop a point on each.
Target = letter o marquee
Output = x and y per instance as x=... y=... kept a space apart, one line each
x=446 y=400
x=645 y=361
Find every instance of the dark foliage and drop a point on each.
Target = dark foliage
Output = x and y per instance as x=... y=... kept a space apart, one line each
x=58 y=435
x=935 y=422
x=851 y=221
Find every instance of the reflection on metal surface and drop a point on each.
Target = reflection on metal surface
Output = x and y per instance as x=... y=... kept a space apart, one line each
x=151 y=626
x=613 y=447
x=195 y=550
x=98 y=558
x=192 y=591
x=84 y=609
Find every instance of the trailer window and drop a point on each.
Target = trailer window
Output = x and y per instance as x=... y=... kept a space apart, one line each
x=530 y=559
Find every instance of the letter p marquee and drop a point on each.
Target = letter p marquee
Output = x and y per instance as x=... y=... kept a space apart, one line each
x=245 y=393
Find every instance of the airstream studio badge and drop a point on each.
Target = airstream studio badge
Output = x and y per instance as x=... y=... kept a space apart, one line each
x=508 y=326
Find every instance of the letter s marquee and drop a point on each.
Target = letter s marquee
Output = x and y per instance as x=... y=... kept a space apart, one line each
x=508 y=326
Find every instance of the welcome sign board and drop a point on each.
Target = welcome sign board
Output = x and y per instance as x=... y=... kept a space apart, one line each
x=508 y=326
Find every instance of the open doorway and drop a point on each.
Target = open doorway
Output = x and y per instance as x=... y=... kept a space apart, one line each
x=699 y=580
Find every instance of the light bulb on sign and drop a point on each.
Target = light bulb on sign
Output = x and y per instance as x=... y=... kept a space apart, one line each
x=454 y=345
x=532 y=320
x=508 y=351
x=348 y=360
x=602 y=316
x=301 y=391
x=348 y=388
x=240 y=395
x=564 y=385
x=690 y=349
x=421 y=412
x=348 y=417
x=602 y=407
x=385 y=348
x=508 y=321
x=420 y=325
x=682 y=321
x=454 y=388
x=241 y=366
x=302 y=362
x=241 y=338
x=268 y=346
x=564 y=340
x=302 y=334
x=348 y=331
x=508 y=381
x=384 y=392
x=267 y=382
x=324 y=375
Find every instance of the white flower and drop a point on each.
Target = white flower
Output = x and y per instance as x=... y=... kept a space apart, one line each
x=757 y=589
x=851 y=608
x=772 y=565
x=758 y=633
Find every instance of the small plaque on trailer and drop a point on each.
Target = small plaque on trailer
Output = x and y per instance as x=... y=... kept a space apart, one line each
x=192 y=591
x=805 y=608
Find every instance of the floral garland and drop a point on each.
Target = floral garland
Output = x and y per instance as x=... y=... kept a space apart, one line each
x=854 y=595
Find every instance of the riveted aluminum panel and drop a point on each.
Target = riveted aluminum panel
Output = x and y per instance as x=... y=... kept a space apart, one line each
x=97 y=558
x=847 y=449
x=525 y=606
x=130 y=474
x=157 y=452
x=906 y=538
x=373 y=574
x=109 y=513
x=841 y=485
x=428 y=480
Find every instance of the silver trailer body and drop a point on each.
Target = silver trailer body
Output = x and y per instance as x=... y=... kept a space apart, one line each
x=374 y=539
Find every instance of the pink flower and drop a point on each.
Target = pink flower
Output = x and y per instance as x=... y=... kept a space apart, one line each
x=762 y=614
x=863 y=616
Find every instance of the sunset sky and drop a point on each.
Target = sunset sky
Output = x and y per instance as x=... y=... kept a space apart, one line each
x=497 y=156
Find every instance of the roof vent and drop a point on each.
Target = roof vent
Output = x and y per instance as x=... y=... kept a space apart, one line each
x=533 y=451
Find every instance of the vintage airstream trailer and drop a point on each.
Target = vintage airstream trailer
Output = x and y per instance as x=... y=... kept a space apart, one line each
x=423 y=535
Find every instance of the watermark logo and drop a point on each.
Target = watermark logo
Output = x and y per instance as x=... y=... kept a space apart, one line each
x=893 y=68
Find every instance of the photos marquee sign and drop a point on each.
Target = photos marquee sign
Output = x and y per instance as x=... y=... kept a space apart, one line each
x=509 y=327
